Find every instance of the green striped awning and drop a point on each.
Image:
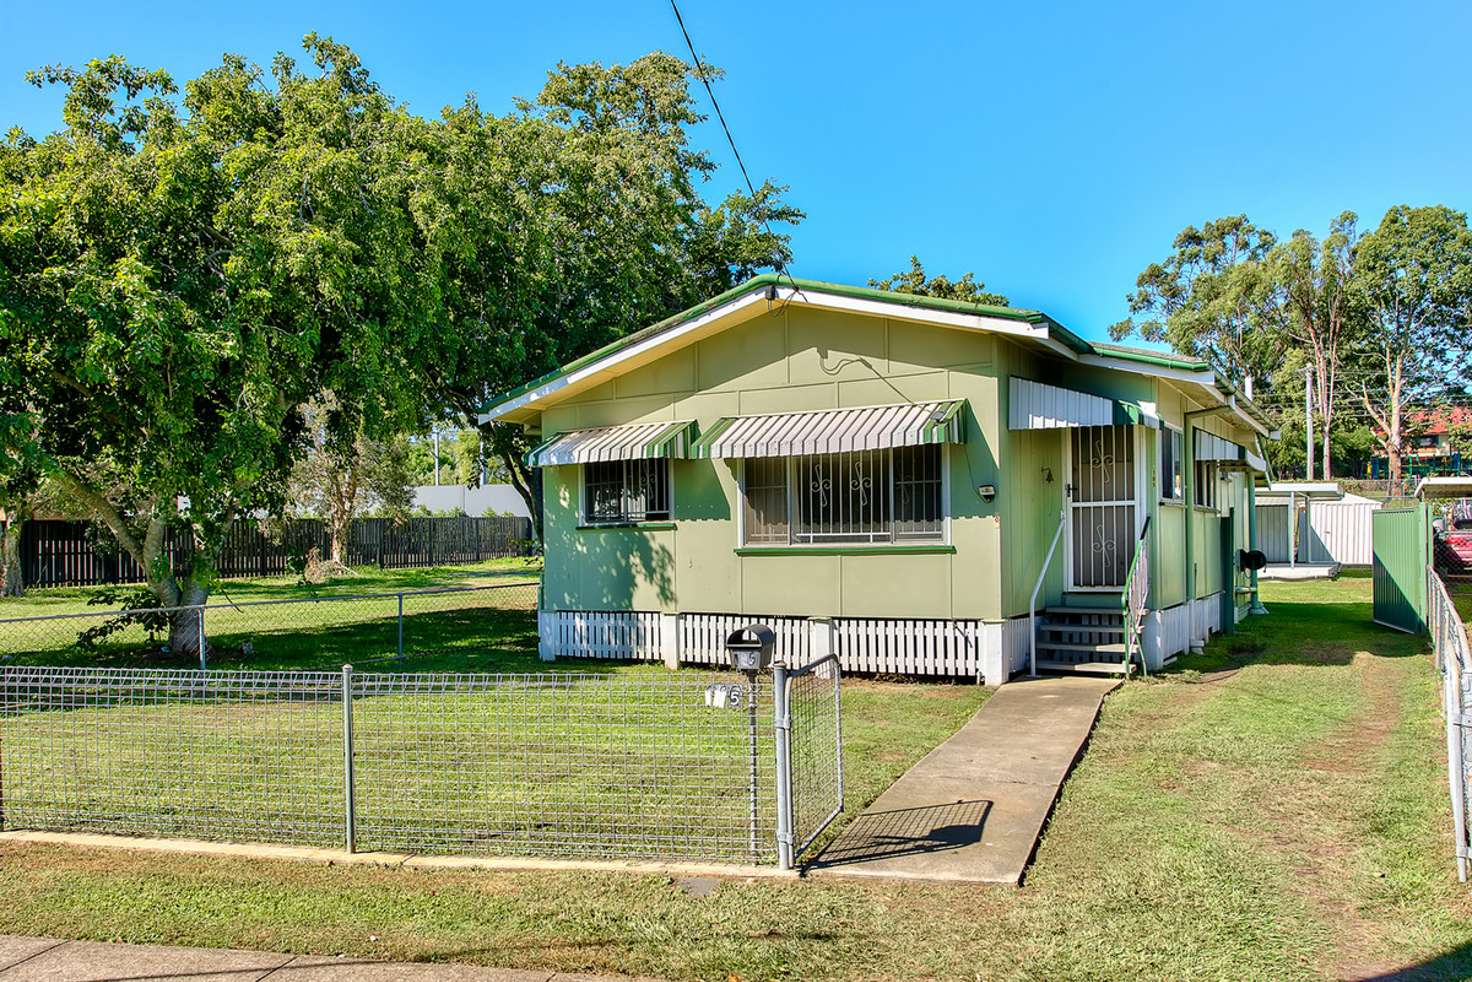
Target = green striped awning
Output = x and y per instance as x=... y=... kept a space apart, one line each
x=833 y=430
x=634 y=441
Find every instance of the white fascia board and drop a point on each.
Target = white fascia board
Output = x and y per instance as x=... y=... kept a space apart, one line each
x=1205 y=379
x=648 y=345
x=811 y=297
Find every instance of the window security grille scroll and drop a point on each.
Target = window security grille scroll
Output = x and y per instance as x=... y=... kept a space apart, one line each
x=1170 y=464
x=616 y=492
x=1205 y=490
x=868 y=496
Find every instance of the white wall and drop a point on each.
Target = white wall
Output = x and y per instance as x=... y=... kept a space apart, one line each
x=492 y=499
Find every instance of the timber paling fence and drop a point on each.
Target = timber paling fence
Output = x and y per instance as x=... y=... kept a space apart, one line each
x=1454 y=659
x=61 y=553
x=625 y=765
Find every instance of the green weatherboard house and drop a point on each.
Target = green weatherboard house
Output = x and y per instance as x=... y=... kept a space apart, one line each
x=922 y=486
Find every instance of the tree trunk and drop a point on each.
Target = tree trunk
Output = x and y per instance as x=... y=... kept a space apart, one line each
x=341 y=525
x=12 y=578
x=186 y=624
x=528 y=483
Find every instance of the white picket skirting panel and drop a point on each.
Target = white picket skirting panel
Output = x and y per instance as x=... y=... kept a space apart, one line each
x=877 y=645
x=895 y=646
x=600 y=634
x=1167 y=631
x=703 y=637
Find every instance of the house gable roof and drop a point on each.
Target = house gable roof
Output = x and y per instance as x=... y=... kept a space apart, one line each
x=750 y=298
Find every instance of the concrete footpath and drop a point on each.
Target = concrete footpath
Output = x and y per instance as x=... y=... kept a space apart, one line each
x=89 y=961
x=973 y=808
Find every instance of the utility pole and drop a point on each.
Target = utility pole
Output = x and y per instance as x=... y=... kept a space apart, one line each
x=1308 y=422
x=435 y=432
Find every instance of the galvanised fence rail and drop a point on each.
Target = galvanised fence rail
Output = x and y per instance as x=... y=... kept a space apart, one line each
x=1454 y=659
x=326 y=629
x=627 y=764
x=63 y=553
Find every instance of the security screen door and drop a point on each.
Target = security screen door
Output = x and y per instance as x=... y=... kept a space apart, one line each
x=1102 y=505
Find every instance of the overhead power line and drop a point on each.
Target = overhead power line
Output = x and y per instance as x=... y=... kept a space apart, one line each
x=715 y=103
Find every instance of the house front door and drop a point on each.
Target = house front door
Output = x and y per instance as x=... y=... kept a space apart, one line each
x=1103 y=503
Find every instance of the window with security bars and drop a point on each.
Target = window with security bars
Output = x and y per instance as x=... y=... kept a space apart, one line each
x=617 y=492
x=865 y=497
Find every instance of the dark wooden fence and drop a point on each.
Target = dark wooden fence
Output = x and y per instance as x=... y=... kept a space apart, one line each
x=77 y=554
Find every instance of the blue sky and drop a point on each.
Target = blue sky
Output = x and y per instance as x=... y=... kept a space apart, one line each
x=1053 y=148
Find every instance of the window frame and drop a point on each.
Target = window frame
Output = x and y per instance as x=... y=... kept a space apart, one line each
x=625 y=520
x=789 y=468
x=1170 y=437
x=1205 y=479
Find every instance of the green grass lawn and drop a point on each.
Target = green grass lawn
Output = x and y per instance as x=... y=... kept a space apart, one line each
x=333 y=624
x=1273 y=809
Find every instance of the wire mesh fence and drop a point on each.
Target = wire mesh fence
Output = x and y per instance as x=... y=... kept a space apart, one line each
x=322 y=630
x=570 y=765
x=538 y=765
x=815 y=709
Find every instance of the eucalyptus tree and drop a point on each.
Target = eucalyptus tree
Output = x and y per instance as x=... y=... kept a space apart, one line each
x=1415 y=274
x=1308 y=295
x=1204 y=298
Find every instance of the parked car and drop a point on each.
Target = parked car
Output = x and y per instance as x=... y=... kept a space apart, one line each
x=1453 y=541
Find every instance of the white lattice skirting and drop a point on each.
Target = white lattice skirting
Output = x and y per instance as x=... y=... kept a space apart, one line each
x=992 y=650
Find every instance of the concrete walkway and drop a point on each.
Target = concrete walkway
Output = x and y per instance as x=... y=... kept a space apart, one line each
x=88 y=961
x=973 y=808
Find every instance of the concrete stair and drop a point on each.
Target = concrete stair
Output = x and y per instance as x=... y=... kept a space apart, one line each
x=1081 y=639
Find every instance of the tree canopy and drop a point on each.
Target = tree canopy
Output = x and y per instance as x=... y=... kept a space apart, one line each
x=181 y=274
x=915 y=281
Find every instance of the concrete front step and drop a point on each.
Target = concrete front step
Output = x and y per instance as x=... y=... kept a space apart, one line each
x=1115 y=648
x=1087 y=667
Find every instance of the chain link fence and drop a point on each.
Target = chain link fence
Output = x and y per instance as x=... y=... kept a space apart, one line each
x=624 y=765
x=323 y=630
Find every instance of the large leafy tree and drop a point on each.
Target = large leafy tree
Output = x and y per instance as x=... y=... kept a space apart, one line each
x=179 y=277
x=578 y=219
x=1415 y=274
x=915 y=281
x=1307 y=294
x=1204 y=298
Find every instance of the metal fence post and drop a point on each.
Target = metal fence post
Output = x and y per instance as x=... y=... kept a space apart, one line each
x=350 y=826
x=782 y=727
x=203 y=662
x=751 y=738
x=401 y=625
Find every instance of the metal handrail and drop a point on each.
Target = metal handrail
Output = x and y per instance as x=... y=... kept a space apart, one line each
x=1032 y=605
x=1133 y=599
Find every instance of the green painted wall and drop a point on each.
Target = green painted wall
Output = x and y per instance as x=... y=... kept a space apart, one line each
x=797 y=358
x=792 y=359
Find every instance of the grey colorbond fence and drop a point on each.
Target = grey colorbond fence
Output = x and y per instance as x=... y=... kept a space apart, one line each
x=60 y=553
x=621 y=765
x=328 y=629
x=1453 y=658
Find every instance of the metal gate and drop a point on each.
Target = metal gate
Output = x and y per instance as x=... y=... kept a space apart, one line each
x=809 y=713
x=1400 y=568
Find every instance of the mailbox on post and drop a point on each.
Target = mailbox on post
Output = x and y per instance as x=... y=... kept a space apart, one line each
x=750 y=648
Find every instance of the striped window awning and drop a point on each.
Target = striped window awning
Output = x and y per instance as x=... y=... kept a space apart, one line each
x=1209 y=446
x=833 y=430
x=635 y=441
x=1039 y=406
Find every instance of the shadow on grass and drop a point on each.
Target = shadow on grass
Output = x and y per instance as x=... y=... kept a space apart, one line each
x=1296 y=633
